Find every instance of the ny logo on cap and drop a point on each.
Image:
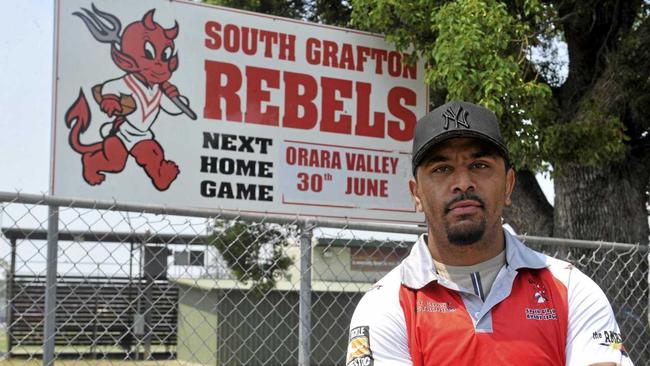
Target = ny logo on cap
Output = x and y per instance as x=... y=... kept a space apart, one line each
x=459 y=117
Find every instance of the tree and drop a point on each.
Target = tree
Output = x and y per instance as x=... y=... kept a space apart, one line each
x=285 y=8
x=332 y=12
x=590 y=130
x=254 y=252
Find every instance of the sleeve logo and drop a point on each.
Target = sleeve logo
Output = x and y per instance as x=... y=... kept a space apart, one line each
x=612 y=340
x=359 y=353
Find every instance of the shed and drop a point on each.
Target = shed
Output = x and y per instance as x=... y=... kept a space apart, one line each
x=224 y=322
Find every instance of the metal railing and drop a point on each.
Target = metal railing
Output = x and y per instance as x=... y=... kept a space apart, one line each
x=88 y=280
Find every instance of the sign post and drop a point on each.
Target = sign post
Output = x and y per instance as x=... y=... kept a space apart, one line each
x=49 y=329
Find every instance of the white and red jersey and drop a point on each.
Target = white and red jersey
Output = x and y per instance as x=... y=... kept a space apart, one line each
x=540 y=311
x=149 y=99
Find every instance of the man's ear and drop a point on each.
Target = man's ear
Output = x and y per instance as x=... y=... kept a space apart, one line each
x=413 y=188
x=510 y=185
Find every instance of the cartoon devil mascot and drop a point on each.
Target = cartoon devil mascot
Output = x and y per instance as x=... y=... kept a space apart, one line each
x=145 y=52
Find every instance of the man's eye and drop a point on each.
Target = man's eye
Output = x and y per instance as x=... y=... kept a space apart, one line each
x=441 y=169
x=479 y=165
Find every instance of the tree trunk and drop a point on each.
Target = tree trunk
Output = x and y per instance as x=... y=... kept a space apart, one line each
x=530 y=212
x=603 y=203
x=608 y=204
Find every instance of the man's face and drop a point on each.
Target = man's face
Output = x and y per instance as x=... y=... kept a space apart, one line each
x=462 y=186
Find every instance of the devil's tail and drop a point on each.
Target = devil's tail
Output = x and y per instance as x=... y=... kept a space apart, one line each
x=80 y=112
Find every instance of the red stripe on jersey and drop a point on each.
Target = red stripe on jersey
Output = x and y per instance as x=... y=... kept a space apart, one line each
x=148 y=105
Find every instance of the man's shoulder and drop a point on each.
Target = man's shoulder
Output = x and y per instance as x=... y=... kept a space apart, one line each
x=571 y=277
x=383 y=296
x=387 y=285
x=378 y=328
x=558 y=266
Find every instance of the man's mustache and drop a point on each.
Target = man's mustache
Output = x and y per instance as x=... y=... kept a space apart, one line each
x=463 y=197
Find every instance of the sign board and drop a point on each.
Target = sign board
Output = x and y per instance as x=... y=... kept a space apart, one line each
x=189 y=105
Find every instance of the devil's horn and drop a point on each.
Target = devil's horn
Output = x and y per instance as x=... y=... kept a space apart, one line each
x=172 y=32
x=148 y=21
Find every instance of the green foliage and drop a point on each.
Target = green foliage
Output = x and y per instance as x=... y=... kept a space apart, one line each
x=405 y=23
x=284 y=8
x=333 y=12
x=599 y=139
x=254 y=252
x=480 y=57
x=479 y=51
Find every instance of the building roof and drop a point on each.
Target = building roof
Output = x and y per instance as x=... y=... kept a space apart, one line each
x=316 y=286
x=107 y=236
x=362 y=243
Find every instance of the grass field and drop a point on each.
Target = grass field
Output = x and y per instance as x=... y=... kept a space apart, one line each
x=18 y=361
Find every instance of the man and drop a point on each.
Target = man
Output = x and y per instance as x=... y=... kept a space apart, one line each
x=469 y=293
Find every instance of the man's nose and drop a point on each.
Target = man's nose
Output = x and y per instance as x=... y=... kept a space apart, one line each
x=463 y=181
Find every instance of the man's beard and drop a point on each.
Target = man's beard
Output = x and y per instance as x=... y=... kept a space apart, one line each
x=468 y=232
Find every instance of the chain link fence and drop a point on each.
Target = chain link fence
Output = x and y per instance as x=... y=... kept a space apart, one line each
x=103 y=283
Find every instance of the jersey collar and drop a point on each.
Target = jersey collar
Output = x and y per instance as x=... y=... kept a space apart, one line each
x=418 y=270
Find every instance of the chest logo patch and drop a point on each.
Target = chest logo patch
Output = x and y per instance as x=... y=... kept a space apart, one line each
x=433 y=307
x=540 y=305
x=539 y=291
x=541 y=314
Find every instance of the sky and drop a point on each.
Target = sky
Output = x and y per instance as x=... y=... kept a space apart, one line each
x=26 y=97
x=25 y=94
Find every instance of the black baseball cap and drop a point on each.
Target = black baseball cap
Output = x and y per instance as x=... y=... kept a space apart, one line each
x=456 y=119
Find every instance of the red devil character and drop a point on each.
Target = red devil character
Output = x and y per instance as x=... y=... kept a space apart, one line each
x=145 y=52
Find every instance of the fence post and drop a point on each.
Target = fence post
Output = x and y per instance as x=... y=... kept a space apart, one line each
x=10 y=297
x=49 y=332
x=304 y=309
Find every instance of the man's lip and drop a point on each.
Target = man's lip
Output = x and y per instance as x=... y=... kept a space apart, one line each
x=464 y=210
x=464 y=203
